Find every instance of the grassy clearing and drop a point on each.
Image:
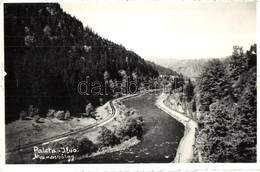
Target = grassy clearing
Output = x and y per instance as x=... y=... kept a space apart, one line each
x=28 y=131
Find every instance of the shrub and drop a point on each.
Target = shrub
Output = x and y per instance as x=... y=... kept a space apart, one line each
x=70 y=142
x=89 y=108
x=29 y=40
x=31 y=112
x=36 y=118
x=23 y=115
x=50 y=113
x=132 y=126
x=67 y=115
x=119 y=102
x=59 y=115
x=86 y=146
x=101 y=101
x=107 y=138
x=54 y=145
x=121 y=133
x=36 y=127
x=130 y=112
x=47 y=30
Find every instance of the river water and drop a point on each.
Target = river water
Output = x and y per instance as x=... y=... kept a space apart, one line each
x=159 y=142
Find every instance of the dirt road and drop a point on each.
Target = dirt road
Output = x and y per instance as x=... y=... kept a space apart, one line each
x=185 y=148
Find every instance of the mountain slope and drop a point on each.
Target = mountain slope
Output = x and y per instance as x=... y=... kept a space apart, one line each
x=48 y=53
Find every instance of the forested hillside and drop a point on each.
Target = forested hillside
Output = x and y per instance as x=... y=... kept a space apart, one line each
x=226 y=101
x=48 y=52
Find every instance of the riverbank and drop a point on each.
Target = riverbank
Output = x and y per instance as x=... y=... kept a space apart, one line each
x=185 y=149
x=161 y=136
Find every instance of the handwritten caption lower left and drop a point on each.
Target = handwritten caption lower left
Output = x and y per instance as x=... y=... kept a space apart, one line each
x=61 y=153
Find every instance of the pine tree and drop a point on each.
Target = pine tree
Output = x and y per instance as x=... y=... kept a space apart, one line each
x=213 y=83
x=227 y=130
x=213 y=138
x=245 y=121
x=189 y=90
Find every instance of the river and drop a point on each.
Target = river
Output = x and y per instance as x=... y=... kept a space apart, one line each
x=159 y=142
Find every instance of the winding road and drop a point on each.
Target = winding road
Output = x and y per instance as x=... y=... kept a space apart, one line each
x=185 y=149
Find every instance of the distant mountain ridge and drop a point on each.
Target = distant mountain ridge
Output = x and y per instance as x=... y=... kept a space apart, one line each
x=161 y=69
x=188 y=67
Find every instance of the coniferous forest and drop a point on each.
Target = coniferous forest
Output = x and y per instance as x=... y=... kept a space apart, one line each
x=48 y=52
x=226 y=99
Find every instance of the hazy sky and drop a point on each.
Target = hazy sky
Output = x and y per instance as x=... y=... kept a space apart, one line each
x=171 y=29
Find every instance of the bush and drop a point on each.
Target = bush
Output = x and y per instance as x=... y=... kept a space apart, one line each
x=70 y=142
x=119 y=102
x=59 y=115
x=36 y=118
x=23 y=115
x=89 y=110
x=130 y=112
x=50 y=113
x=101 y=101
x=132 y=126
x=107 y=138
x=54 y=145
x=29 y=40
x=67 y=115
x=86 y=146
x=121 y=133
x=30 y=111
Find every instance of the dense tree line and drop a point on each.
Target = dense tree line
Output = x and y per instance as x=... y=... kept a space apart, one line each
x=48 y=52
x=226 y=99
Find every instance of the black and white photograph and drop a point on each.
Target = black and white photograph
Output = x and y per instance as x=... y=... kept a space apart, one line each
x=129 y=82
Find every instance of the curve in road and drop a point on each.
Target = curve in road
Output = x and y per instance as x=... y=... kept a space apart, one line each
x=185 y=149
